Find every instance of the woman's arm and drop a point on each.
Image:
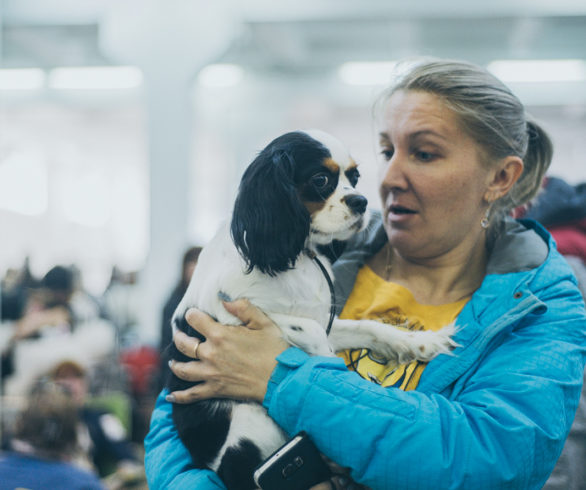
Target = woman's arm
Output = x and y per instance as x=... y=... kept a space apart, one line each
x=503 y=426
x=167 y=462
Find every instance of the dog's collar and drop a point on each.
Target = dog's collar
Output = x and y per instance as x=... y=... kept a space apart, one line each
x=313 y=256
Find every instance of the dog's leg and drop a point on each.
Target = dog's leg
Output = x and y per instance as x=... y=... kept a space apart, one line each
x=390 y=342
x=305 y=333
x=252 y=437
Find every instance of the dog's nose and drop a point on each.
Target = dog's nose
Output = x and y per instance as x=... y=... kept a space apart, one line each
x=356 y=203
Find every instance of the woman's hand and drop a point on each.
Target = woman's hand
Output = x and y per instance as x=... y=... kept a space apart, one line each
x=234 y=361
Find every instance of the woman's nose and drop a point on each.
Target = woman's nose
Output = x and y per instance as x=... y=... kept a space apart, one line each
x=393 y=173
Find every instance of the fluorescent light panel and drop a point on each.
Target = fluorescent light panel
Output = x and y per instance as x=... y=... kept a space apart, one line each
x=220 y=75
x=22 y=79
x=528 y=71
x=367 y=73
x=95 y=78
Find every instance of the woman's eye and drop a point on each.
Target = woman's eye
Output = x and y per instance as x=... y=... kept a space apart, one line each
x=424 y=156
x=320 y=181
x=387 y=153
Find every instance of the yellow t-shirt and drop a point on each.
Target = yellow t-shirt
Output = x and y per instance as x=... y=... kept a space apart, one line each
x=374 y=298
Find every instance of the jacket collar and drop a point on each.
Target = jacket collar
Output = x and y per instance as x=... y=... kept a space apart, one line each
x=504 y=297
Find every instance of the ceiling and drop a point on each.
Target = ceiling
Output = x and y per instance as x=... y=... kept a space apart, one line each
x=311 y=36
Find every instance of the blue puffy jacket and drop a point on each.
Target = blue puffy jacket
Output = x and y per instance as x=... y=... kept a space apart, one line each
x=493 y=415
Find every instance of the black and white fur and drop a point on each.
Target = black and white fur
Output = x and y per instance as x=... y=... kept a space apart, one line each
x=297 y=194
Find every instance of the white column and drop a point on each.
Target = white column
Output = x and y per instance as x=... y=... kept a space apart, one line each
x=170 y=41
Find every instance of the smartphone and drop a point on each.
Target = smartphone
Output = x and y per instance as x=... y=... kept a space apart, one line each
x=297 y=465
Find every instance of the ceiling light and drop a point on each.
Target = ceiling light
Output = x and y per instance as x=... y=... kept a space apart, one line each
x=539 y=70
x=22 y=79
x=220 y=75
x=367 y=73
x=95 y=78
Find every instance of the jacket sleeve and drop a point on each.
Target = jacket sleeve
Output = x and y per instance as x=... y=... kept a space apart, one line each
x=501 y=425
x=168 y=464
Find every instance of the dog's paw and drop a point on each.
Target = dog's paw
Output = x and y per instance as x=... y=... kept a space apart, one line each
x=420 y=346
x=429 y=344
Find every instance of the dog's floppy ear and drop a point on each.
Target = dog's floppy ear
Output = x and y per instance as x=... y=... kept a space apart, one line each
x=270 y=224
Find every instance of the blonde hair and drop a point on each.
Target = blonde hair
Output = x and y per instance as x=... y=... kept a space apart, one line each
x=49 y=422
x=490 y=113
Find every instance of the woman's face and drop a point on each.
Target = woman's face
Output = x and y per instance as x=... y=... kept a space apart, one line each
x=432 y=182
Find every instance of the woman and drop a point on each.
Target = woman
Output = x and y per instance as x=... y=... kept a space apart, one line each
x=188 y=264
x=457 y=155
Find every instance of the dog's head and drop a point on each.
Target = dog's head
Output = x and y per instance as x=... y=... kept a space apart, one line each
x=298 y=192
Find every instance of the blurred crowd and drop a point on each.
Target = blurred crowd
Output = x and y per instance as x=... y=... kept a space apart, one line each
x=77 y=386
x=80 y=359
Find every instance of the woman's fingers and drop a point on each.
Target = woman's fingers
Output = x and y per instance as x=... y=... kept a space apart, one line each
x=195 y=372
x=192 y=394
x=189 y=346
x=188 y=371
x=248 y=314
x=202 y=323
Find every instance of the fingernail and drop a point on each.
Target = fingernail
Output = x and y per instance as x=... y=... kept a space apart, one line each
x=171 y=398
x=170 y=362
x=224 y=297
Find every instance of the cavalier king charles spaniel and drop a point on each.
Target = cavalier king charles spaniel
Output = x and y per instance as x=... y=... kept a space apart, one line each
x=297 y=195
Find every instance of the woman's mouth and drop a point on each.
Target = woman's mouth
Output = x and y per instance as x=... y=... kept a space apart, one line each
x=400 y=210
x=398 y=214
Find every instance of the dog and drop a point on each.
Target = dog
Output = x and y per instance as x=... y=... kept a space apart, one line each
x=298 y=194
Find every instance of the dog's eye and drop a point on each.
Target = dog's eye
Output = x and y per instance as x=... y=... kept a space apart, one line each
x=320 y=181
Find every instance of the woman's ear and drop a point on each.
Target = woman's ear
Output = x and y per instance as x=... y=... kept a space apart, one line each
x=503 y=177
x=269 y=224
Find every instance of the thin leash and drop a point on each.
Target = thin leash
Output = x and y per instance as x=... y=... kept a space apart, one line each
x=330 y=285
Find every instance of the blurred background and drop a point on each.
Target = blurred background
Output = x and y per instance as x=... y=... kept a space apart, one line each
x=125 y=125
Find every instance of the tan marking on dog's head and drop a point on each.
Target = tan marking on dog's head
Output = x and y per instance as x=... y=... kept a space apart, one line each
x=351 y=165
x=331 y=165
x=314 y=206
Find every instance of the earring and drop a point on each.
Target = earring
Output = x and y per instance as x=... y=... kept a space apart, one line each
x=485 y=222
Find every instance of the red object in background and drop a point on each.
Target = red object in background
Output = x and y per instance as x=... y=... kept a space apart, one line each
x=142 y=364
x=571 y=238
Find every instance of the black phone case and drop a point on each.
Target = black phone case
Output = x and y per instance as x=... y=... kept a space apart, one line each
x=297 y=465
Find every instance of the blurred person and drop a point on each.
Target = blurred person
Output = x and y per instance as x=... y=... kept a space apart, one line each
x=101 y=435
x=50 y=329
x=44 y=446
x=46 y=311
x=187 y=267
x=457 y=153
x=85 y=305
x=121 y=301
x=14 y=289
